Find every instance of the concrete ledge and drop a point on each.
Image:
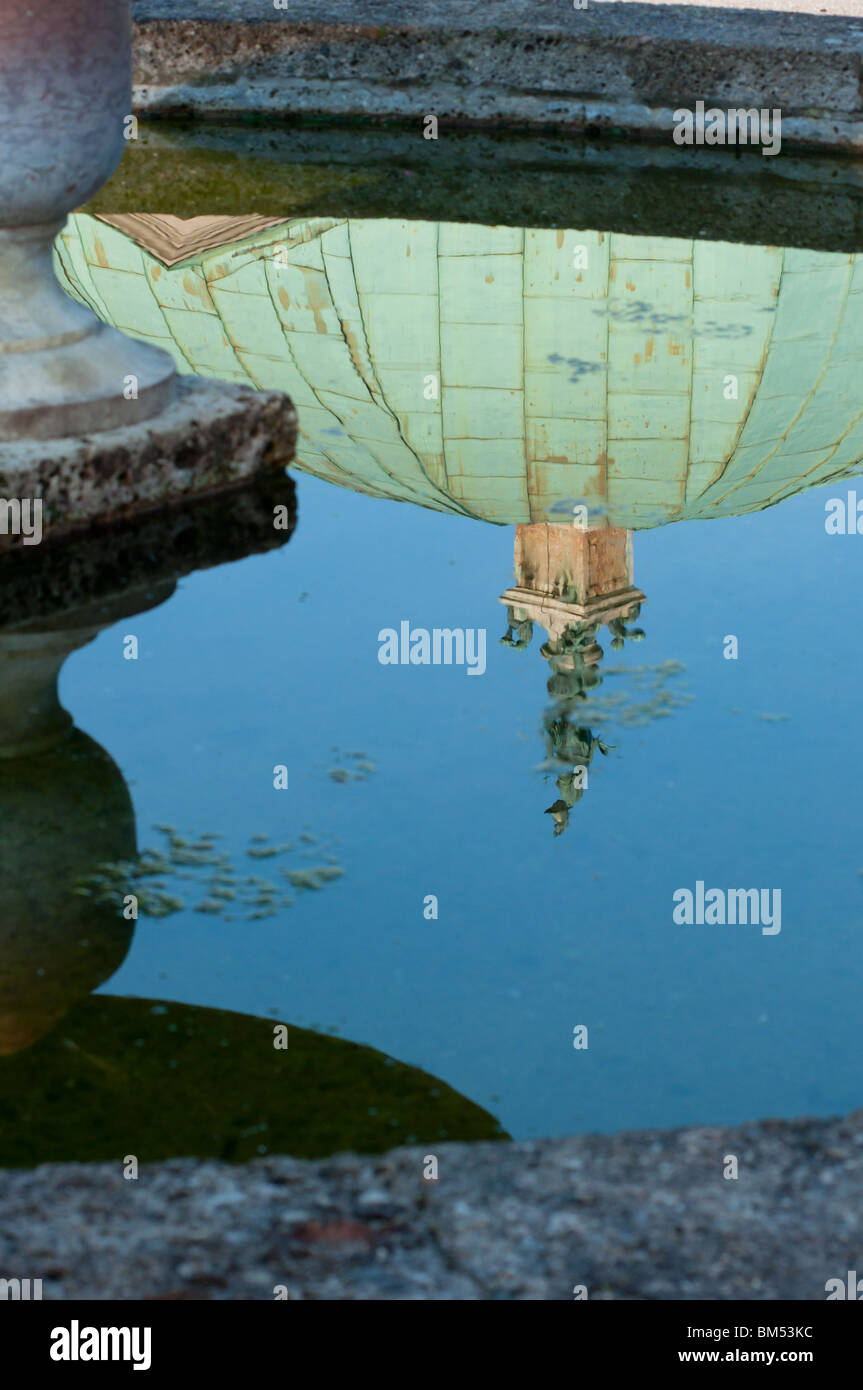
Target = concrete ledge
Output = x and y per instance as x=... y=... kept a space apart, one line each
x=521 y=62
x=213 y=436
x=630 y=1216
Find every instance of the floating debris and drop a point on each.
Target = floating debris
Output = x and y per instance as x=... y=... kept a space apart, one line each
x=193 y=856
x=360 y=767
x=149 y=877
x=159 y=905
x=313 y=878
x=650 y=699
x=303 y=879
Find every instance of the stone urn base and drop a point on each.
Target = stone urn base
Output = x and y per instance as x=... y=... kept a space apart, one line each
x=212 y=436
x=63 y=371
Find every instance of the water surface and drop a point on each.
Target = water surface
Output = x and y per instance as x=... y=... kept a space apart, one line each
x=406 y=781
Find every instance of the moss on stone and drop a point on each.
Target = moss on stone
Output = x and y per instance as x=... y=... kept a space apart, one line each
x=357 y=168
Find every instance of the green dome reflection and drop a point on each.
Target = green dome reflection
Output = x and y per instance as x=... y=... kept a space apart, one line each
x=507 y=373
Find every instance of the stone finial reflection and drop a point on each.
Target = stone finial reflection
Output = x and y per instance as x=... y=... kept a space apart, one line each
x=65 y=809
x=572 y=581
x=62 y=812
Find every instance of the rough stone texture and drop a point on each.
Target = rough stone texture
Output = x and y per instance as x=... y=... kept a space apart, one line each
x=850 y=8
x=212 y=436
x=518 y=61
x=631 y=1216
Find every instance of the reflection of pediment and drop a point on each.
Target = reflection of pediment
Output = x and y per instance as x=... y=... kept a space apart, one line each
x=175 y=239
x=567 y=576
x=509 y=373
x=556 y=616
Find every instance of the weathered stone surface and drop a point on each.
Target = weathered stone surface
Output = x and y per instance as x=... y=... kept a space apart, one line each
x=518 y=61
x=212 y=436
x=631 y=1216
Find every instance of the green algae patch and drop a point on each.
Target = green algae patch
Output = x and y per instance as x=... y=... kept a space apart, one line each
x=383 y=168
x=161 y=1080
x=181 y=176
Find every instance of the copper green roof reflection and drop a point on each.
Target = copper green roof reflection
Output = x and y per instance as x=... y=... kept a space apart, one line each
x=508 y=373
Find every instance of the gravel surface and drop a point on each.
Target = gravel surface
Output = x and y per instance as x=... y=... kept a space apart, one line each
x=629 y=1216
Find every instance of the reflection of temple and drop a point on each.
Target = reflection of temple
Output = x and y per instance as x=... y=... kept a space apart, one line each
x=498 y=372
x=572 y=581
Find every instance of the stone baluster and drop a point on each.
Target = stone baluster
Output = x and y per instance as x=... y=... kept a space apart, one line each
x=65 y=93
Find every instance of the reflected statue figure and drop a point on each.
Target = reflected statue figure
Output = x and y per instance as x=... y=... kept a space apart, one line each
x=574 y=659
x=573 y=580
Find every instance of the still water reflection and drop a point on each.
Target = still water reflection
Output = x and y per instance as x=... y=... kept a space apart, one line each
x=551 y=808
